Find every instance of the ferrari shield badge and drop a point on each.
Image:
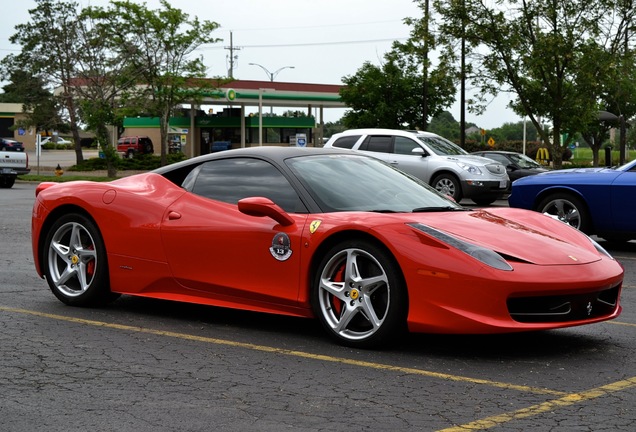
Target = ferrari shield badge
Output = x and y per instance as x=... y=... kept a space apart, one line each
x=313 y=226
x=281 y=247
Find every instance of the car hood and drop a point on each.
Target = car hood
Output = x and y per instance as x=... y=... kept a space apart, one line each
x=519 y=235
x=472 y=159
x=581 y=171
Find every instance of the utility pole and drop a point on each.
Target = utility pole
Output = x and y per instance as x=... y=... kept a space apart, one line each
x=462 y=108
x=232 y=57
x=425 y=68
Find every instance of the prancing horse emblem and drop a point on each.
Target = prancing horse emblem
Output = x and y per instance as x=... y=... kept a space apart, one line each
x=589 y=308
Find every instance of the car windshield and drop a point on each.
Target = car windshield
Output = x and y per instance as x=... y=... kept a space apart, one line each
x=524 y=161
x=441 y=146
x=359 y=183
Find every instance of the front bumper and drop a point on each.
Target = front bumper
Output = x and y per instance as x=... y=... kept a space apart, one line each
x=473 y=188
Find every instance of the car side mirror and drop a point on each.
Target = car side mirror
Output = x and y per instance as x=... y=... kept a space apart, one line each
x=261 y=206
x=419 y=151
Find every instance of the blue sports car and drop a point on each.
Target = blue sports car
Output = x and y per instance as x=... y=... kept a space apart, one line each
x=599 y=201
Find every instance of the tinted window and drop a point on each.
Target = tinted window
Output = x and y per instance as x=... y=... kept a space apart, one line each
x=230 y=180
x=378 y=143
x=405 y=146
x=442 y=146
x=359 y=183
x=346 y=141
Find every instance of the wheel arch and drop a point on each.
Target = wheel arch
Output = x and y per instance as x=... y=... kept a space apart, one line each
x=55 y=215
x=447 y=171
x=559 y=189
x=341 y=236
x=590 y=226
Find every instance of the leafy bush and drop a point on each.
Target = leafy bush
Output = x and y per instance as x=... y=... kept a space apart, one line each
x=138 y=163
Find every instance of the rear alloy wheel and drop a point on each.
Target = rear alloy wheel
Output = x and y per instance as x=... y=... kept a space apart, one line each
x=447 y=184
x=359 y=295
x=75 y=262
x=567 y=208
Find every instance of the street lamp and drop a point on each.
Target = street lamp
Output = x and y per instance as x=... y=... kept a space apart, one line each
x=271 y=76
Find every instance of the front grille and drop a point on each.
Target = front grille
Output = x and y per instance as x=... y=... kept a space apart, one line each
x=564 y=308
x=496 y=169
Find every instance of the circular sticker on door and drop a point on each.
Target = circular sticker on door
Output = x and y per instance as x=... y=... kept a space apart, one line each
x=281 y=247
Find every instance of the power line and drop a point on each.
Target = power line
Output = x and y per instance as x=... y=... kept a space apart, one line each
x=311 y=44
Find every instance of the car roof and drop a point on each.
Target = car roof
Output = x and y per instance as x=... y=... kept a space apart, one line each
x=274 y=153
x=382 y=131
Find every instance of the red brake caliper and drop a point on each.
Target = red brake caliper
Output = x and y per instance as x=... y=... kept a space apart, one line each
x=338 y=277
x=90 y=266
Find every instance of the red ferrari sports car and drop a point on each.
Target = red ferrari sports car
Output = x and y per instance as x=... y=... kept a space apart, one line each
x=365 y=248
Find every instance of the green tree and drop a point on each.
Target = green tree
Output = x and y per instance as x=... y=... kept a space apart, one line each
x=437 y=83
x=379 y=96
x=49 y=49
x=406 y=90
x=545 y=52
x=39 y=105
x=444 y=124
x=159 y=45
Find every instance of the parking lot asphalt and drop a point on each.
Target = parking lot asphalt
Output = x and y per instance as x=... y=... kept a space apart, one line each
x=148 y=365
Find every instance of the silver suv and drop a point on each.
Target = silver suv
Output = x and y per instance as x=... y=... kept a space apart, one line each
x=433 y=159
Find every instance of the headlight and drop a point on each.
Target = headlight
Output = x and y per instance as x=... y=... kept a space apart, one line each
x=481 y=254
x=601 y=249
x=470 y=168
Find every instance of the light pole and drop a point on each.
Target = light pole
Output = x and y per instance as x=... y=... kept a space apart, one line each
x=271 y=75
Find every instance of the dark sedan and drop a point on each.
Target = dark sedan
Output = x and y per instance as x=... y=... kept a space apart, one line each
x=7 y=144
x=517 y=164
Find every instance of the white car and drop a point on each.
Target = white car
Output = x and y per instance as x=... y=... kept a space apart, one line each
x=433 y=159
x=60 y=140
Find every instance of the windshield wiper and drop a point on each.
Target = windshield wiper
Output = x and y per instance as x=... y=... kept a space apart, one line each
x=384 y=211
x=438 y=209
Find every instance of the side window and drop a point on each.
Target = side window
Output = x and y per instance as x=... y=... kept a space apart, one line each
x=405 y=146
x=346 y=142
x=230 y=180
x=378 y=143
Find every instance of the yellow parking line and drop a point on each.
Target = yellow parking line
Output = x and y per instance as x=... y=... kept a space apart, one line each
x=264 y=348
x=621 y=323
x=567 y=400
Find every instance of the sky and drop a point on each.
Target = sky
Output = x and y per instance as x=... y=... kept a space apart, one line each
x=323 y=41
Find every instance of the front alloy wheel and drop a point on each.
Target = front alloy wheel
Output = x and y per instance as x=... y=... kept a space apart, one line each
x=446 y=184
x=567 y=208
x=359 y=296
x=75 y=262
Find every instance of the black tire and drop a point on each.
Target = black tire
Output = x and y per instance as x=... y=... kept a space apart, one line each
x=75 y=264
x=364 y=307
x=7 y=182
x=148 y=149
x=448 y=184
x=569 y=209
